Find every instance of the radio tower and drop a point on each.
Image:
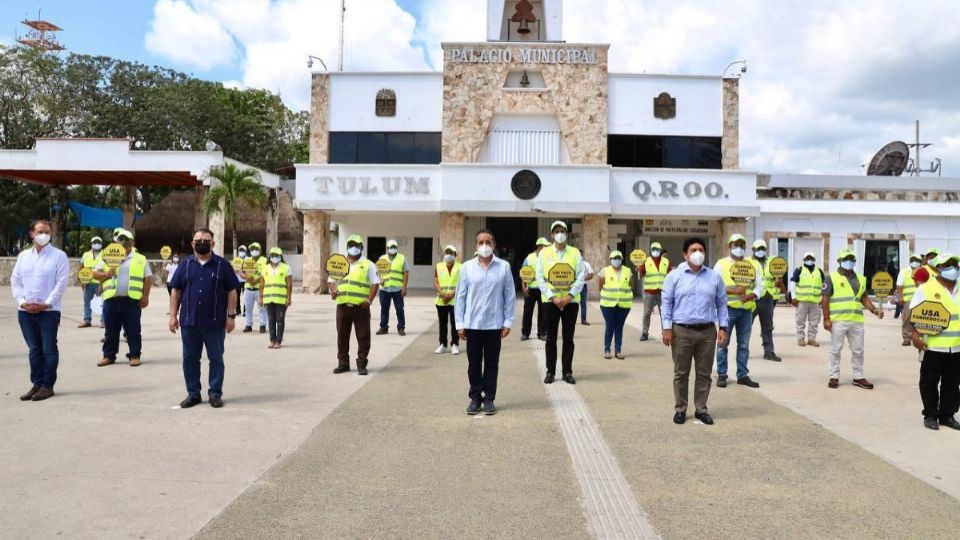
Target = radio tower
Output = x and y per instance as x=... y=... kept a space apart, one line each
x=41 y=35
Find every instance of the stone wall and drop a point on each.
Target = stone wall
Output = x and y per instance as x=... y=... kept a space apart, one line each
x=730 y=143
x=316 y=250
x=451 y=232
x=474 y=92
x=319 y=118
x=594 y=240
x=857 y=195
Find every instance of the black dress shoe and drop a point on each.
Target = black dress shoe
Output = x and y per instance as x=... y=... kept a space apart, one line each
x=216 y=401
x=772 y=357
x=361 y=371
x=474 y=407
x=263 y=329
x=401 y=331
x=645 y=337
x=585 y=323
x=381 y=331
x=190 y=402
x=29 y=394
x=679 y=418
x=247 y=329
x=42 y=394
x=950 y=422
x=488 y=408
x=340 y=369
x=524 y=337
x=930 y=422
x=568 y=378
x=705 y=418
x=722 y=382
x=548 y=379
x=542 y=338
x=747 y=381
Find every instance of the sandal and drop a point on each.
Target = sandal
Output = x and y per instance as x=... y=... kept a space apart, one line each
x=620 y=356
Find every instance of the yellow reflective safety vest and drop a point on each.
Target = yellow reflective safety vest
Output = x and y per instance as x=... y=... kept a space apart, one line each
x=448 y=278
x=138 y=267
x=355 y=288
x=275 y=283
x=844 y=304
x=769 y=282
x=550 y=257
x=654 y=276
x=909 y=286
x=395 y=277
x=734 y=301
x=89 y=260
x=810 y=286
x=531 y=261
x=950 y=337
x=616 y=291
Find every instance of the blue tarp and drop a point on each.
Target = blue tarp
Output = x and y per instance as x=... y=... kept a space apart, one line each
x=91 y=216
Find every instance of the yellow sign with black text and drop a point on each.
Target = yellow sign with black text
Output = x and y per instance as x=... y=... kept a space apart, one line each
x=561 y=276
x=338 y=266
x=249 y=266
x=778 y=267
x=528 y=274
x=930 y=318
x=85 y=275
x=165 y=252
x=114 y=255
x=882 y=284
x=237 y=264
x=383 y=268
x=743 y=273
x=638 y=257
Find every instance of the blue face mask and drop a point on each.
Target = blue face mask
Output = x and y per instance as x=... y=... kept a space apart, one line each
x=950 y=274
x=848 y=265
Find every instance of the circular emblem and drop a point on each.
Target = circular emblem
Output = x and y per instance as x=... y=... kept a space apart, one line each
x=525 y=185
x=561 y=276
x=114 y=255
x=930 y=318
x=743 y=273
x=338 y=266
x=85 y=275
x=778 y=267
x=383 y=267
x=237 y=264
x=881 y=283
x=528 y=274
x=638 y=257
x=165 y=252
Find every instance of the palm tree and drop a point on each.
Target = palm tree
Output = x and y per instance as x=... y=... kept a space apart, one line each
x=236 y=185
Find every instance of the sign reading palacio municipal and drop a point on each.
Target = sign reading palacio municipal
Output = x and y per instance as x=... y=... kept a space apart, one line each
x=531 y=55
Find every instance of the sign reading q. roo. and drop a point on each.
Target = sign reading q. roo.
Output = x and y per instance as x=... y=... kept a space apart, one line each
x=668 y=189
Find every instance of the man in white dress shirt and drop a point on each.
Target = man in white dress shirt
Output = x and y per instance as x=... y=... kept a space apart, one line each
x=38 y=282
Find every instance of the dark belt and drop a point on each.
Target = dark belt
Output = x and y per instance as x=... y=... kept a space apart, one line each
x=703 y=326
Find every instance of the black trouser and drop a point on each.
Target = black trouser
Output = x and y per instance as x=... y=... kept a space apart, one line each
x=529 y=302
x=276 y=321
x=553 y=317
x=764 y=312
x=445 y=314
x=240 y=299
x=483 y=357
x=940 y=370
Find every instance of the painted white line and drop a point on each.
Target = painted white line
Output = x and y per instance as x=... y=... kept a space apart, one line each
x=608 y=502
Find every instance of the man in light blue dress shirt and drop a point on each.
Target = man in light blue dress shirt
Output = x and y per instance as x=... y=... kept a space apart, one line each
x=485 y=304
x=693 y=305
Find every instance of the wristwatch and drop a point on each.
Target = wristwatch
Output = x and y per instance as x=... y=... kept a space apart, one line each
x=232 y=316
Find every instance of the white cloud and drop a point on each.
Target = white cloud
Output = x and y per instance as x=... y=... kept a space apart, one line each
x=183 y=35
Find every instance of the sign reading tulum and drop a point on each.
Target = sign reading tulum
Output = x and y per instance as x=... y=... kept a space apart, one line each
x=531 y=55
x=365 y=185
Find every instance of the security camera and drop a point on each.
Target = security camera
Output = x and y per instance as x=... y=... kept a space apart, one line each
x=743 y=69
x=309 y=62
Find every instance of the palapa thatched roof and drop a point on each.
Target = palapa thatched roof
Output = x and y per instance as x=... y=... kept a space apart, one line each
x=173 y=220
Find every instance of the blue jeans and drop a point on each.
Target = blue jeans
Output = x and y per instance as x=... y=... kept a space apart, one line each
x=194 y=339
x=583 y=304
x=741 y=320
x=614 y=317
x=89 y=291
x=121 y=311
x=397 y=298
x=40 y=332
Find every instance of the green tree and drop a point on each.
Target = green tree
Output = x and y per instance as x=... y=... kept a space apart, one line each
x=236 y=184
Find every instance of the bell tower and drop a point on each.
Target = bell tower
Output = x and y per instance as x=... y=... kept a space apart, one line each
x=525 y=20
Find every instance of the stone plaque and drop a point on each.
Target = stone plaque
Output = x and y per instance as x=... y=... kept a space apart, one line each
x=664 y=106
x=386 y=103
x=525 y=185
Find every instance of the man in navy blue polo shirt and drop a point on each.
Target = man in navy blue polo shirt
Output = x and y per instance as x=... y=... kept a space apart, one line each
x=204 y=293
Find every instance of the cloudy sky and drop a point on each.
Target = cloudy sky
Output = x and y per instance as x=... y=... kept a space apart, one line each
x=828 y=83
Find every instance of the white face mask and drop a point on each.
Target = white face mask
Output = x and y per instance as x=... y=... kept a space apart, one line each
x=950 y=274
x=484 y=250
x=655 y=252
x=96 y=247
x=914 y=265
x=449 y=258
x=275 y=260
x=42 y=239
x=392 y=251
x=809 y=263
x=255 y=253
x=848 y=265
x=696 y=258
x=616 y=263
x=737 y=252
x=242 y=254
x=560 y=237
x=176 y=259
x=354 y=251
x=761 y=253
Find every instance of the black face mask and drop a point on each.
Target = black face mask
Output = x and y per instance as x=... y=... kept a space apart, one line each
x=202 y=248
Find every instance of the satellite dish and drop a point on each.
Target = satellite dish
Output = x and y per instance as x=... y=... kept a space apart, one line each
x=891 y=160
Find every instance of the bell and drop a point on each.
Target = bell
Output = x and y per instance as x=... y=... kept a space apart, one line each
x=524 y=80
x=524 y=28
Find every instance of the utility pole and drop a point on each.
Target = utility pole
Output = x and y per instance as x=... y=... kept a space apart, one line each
x=917 y=167
x=343 y=15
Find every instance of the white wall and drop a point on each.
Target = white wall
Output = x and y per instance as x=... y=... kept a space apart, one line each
x=699 y=105
x=419 y=101
x=403 y=229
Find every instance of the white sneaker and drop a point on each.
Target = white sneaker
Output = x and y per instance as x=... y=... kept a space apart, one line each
x=456 y=349
x=440 y=350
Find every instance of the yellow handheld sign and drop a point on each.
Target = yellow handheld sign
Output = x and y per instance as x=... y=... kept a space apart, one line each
x=85 y=275
x=114 y=255
x=237 y=264
x=882 y=284
x=743 y=273
x=930 y=318
x=528 y=274
x=165 y=252
x=338 y=266
x=383 y=268
x=778 y=267
x=638 y=257
x=249 y=266
x=561 y=276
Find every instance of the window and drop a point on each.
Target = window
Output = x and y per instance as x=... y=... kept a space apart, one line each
x=376 y=247
x=385 y=147
x=670 y=152
x=423 y=251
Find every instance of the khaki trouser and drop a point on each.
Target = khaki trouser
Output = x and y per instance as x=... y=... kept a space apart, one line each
x=697 y=346
x=650 y=300
x=852 y=332
x=808 y=320
x=906 y=329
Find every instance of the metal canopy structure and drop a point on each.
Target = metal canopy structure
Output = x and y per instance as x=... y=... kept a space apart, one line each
x=103 y=178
